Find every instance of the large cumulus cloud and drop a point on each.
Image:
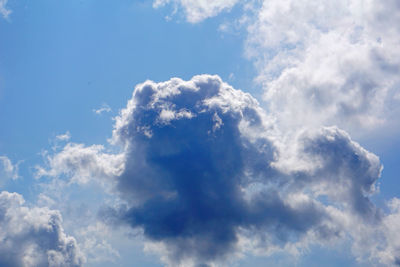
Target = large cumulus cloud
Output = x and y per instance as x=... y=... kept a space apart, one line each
x=206 y=175
x=34 y=236
x=205 y=168
x=192 y=149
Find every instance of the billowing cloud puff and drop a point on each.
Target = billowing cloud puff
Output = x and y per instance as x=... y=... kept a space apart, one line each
x=328 y=62
x=34 y=236
x=337 y=167
x=198 y=10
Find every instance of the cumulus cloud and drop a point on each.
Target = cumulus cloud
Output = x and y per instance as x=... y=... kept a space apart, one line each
x=197 y=11
x=8 y=170
x=4 y=11
x=328 y=62
x=34 y=236
x=206 y=175
x=200 y=184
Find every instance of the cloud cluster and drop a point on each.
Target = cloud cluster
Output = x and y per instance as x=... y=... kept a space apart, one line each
x=34 y=236
x=328 y=62
x=198 y=10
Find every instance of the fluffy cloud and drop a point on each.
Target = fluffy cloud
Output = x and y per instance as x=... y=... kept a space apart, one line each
x=195 y=10
x=3 y=9
x=328 y=62
x=82 y=164
x=34 y=236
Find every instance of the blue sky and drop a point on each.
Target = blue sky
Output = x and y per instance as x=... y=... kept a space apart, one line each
x=116 y=177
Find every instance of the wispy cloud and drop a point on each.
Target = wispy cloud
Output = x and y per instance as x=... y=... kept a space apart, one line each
x=4 y=11
x=8 y=170
x=64 y=137
x=103 y=108
x=198 y=10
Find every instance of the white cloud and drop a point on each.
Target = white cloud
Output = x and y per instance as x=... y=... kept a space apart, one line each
x=4 y=11
x=34 y=236
x=284 y=176
x=328 y=62
x=198 y=10
x=207 y=176
x=7 y=170
x=64 y=137
x=103 y=108
x=82 y=164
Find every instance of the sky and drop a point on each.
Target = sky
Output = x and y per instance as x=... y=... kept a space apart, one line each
x=199 y=133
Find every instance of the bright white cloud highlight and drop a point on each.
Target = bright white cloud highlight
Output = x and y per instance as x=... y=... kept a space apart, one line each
x=328 y=62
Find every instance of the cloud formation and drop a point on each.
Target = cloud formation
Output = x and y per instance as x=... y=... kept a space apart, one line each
x=34 y=236
x=328 y=62
x=207 y=175
x=206 y=169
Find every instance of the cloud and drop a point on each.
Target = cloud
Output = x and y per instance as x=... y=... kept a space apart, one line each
x=34 y=236
x=7 y=170
x=95 y=245
x=197 y=11
x=64 y=137
x=216 y=172
x=4 y=11
x=103 y=108
x=208 y=176
x=327 y=62
x=82 y=164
